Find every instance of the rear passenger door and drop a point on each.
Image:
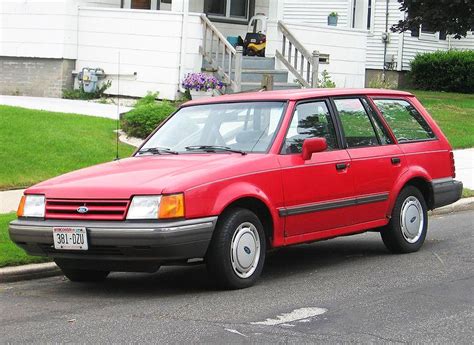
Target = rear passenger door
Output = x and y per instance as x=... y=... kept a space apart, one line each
x=376 y=161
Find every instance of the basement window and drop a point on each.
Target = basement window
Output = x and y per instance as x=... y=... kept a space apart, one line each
x=230 y=11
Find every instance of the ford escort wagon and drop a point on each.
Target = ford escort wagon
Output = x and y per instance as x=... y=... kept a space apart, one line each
x=223 y=180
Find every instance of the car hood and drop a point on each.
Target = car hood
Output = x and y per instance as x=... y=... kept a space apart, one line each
x=146 y=175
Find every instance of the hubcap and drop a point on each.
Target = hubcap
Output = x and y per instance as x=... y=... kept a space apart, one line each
x=245 y=250
x=411 y=219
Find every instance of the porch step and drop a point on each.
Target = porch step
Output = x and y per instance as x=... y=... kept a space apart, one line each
x=256 y=75
x=252 y=86
x=248 y=62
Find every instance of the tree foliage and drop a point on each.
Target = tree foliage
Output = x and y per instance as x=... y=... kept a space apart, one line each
x=454 y=17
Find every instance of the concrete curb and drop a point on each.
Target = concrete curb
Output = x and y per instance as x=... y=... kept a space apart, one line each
x=35 y=271
x=26 y=272
x=460 y=205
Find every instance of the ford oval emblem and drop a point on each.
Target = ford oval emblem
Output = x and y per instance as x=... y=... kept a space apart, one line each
x=82 y=209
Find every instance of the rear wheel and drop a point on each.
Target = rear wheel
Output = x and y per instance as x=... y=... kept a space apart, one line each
x=237 y=251
x=406 y=231
x=78 y=275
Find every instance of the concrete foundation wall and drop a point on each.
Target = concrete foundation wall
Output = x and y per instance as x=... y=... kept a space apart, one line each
x=27 y=76
x=398 y=78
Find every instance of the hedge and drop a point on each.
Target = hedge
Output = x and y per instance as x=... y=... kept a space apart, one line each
x=144 y=118
x=451 y=70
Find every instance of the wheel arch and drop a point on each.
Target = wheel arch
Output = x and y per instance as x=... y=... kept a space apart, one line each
x=261 y=210
x=418 y=178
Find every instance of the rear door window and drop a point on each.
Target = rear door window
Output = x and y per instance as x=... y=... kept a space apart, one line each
x=357 y=126
x=405 y=121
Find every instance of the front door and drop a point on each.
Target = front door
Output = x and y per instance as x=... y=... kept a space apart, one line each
x=376 y=162
x=318 y=191
x=141 y=4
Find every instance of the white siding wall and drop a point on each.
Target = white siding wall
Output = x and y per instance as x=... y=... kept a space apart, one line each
x=148 y=42
x=316 y=11
x=375 y=46
x=346 y=49
x=42 y=28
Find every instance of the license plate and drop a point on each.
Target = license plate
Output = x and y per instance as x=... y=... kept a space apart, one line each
x=70 y=238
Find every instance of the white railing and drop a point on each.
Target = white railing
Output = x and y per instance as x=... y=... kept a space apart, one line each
x=303 y=64
x=221 y=55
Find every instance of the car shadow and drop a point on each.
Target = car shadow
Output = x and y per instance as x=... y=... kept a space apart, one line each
x=281 y=263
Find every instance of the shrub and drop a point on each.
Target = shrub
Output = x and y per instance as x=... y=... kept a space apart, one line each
x=444 y=71
x=150 y=98
x=325 y=81
x=81 y=94
x=143 y=119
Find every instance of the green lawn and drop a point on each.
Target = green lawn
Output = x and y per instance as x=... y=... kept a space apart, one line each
x=37 y=145
x=10 y=254
x=454 y=113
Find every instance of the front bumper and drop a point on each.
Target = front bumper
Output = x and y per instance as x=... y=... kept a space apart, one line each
x=446 y=191
x=158 y=241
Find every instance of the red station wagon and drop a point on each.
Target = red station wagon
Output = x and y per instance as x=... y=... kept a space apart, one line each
x=225 y=179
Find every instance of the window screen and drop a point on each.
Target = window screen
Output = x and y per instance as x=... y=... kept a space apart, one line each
x=406 y=122
x=358 y=129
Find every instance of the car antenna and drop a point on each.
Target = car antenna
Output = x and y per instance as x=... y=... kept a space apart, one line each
x=118 y=111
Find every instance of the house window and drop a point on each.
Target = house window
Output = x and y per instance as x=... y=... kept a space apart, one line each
x=426 y=33
x=369 y=14
x=229 y=10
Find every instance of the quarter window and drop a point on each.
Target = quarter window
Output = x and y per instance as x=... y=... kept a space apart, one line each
x=358 y=129
x=310 y=120
x=406 y=122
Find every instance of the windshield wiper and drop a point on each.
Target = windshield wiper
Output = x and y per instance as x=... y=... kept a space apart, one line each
x=213 y=148
x=158 y=150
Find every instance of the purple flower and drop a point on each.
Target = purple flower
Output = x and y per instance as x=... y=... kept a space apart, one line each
x=201 y=82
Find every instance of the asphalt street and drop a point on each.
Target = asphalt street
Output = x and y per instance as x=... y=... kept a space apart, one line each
x=344 y=290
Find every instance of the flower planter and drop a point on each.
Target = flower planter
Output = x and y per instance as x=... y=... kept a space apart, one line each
x=200 y=94
x=332 y=20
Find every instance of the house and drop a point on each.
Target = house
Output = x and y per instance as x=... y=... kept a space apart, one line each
x=151 y=44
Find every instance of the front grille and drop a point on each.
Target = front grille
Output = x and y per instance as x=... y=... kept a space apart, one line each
x=96 y=209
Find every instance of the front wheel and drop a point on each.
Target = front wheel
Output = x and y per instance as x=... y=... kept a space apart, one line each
x=237 y=251
x=406 y=231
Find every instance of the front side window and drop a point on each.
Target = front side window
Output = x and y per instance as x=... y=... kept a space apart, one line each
x=310 y=120
x=405 y=121
x=358 y=129
x=245 y=126
x=232 y=9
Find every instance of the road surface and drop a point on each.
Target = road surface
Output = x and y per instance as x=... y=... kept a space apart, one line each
x=344 y=290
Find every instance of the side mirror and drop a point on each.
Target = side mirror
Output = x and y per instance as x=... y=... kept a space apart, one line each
x=313 y=145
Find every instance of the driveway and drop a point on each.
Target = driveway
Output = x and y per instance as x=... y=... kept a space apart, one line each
x=344 y=290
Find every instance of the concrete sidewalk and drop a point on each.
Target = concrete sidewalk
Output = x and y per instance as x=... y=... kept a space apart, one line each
x=464 y=160
x=64 y=106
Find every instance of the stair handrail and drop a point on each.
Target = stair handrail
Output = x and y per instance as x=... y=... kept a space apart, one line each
x=222 y=49
x=308 y=77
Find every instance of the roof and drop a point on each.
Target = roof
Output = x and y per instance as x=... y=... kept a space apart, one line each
x=295 y=94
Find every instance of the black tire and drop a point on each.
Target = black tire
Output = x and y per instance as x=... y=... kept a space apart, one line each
x=77 y=275
x=395 y=236
x=219 y=259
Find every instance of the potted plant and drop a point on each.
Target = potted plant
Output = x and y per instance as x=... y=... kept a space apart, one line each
x=200 y=85
x=332 y=19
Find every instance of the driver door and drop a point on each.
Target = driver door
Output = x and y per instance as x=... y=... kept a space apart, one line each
x=318 y=192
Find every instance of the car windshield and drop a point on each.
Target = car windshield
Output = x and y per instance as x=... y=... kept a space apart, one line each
x=225 y=127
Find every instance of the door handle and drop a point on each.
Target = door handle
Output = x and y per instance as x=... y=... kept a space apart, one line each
x=395 y=160
x=341 y=166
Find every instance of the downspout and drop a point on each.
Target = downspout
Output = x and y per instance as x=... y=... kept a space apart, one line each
x=385 y=43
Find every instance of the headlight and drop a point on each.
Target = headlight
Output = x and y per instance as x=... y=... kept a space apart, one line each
x=156 y=207
x=31 y=206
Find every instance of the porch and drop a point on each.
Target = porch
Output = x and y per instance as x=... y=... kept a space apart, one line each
x=152 y=50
